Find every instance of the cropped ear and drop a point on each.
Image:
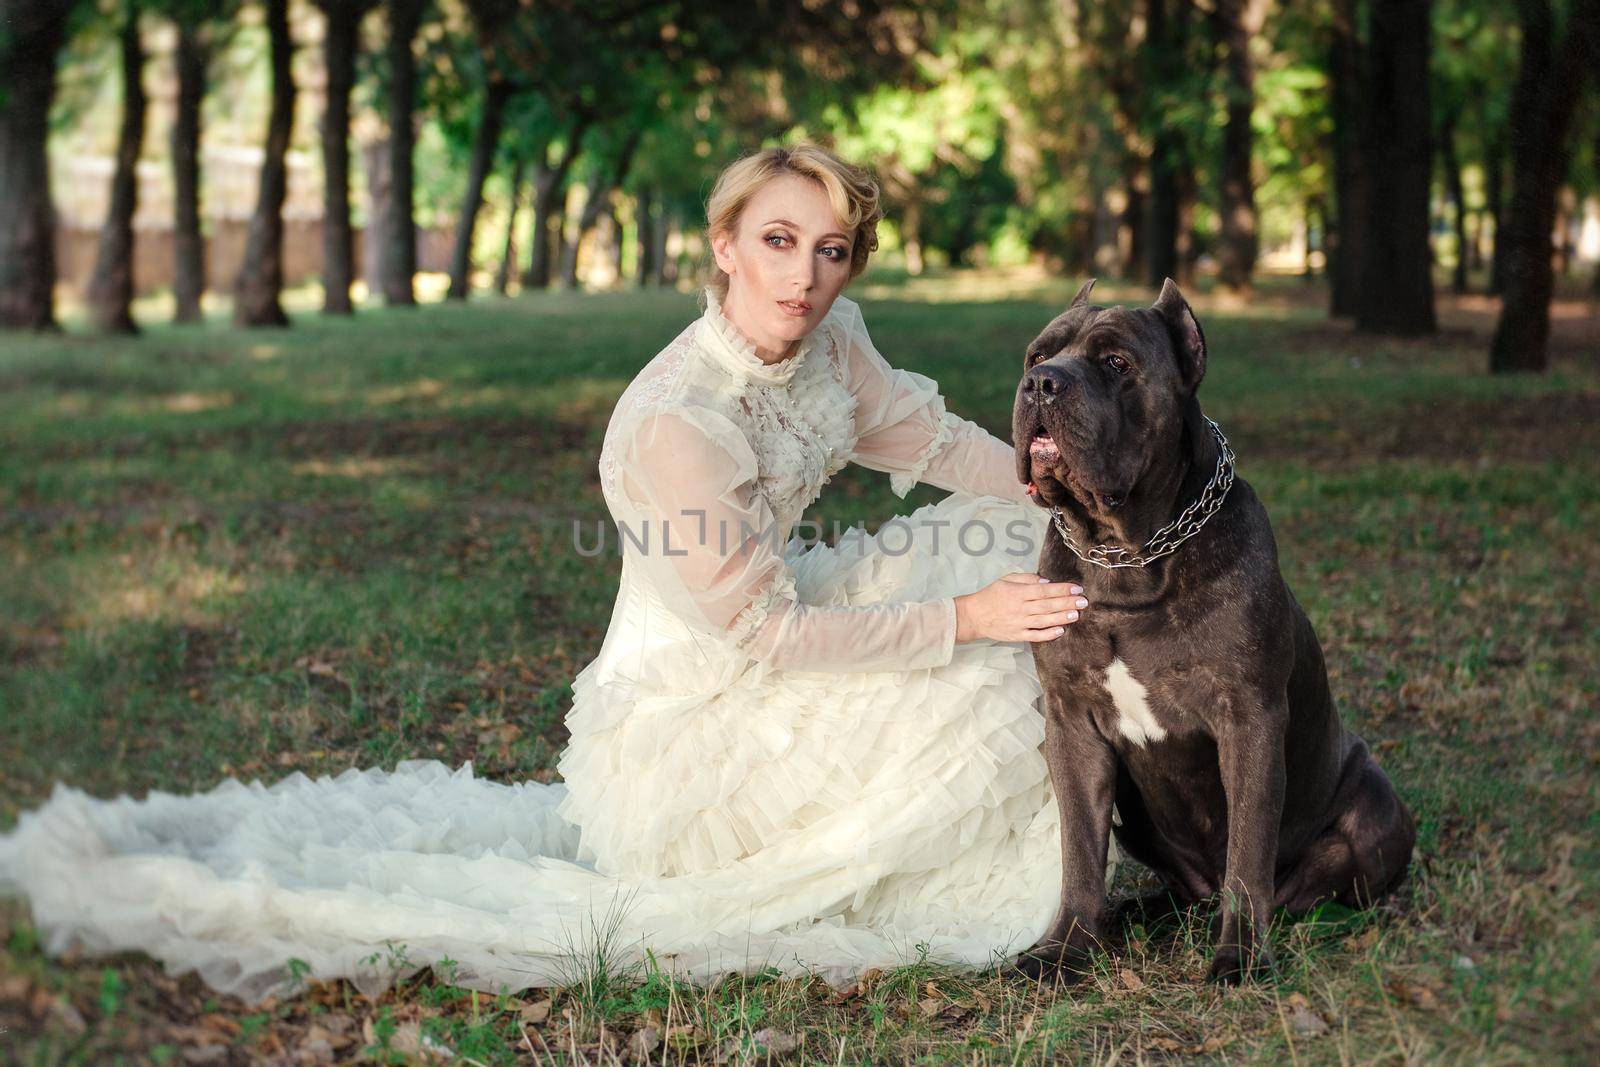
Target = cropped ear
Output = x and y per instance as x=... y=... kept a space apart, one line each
x=1083 y=294
x=1187 y=339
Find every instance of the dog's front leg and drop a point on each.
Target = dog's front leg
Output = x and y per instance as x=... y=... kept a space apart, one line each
x=1251 y=757
x=1083 y=774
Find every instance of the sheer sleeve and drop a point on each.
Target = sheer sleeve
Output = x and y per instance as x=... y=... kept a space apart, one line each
x=714 y=554
x=906 y=432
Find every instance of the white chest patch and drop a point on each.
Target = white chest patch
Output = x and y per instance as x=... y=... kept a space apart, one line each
x=1134 y=718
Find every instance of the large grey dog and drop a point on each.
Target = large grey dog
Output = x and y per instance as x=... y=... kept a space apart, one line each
x=1192 y=694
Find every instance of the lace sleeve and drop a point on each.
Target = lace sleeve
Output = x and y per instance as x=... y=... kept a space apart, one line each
x=706 y=540
x=906 y=432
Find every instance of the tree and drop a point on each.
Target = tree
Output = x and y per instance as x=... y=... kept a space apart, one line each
x=111 y=286
x=340 y=44
x=1548 y=88
x=260 y=279
x=1396 y=295
x=489 y=21
x=1174 y=95
x=608 y=174
x=1347 y=82
x=400 y=238
x=1237 y=22
x=31 y=35
x=191 y=58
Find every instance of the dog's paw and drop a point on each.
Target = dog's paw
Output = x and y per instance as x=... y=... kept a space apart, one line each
x=1231 y=966
x=1052 y=962
x=1038 y=966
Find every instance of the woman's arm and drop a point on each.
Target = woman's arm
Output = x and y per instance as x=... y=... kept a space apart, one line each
x=906 y=431
x=719 y=561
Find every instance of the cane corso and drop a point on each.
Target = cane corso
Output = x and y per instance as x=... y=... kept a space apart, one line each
x=1192 y=695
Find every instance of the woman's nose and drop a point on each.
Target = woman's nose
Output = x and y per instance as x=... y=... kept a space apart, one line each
x=805 y=272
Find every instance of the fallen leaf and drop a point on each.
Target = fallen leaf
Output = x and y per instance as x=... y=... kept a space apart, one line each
x=1130 y=981
x=1414 y=993
x=1303 y=1018
x=776 y=1041
x=535 y=1013
x=643 y=1042
x=928 y=1007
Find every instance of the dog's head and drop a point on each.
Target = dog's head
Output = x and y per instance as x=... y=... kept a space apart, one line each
x=1103 y=396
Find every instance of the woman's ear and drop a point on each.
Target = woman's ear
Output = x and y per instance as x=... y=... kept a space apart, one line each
x=722 y=251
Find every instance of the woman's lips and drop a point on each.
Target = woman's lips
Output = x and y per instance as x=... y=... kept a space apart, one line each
x=797 y=308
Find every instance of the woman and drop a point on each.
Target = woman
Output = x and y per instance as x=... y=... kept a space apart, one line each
x=816 y=760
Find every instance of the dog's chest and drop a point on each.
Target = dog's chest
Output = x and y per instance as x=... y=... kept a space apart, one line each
x=1130 y=705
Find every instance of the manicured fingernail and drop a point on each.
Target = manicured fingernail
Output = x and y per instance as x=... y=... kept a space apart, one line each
x=1082 y=603
x=1072 y=616
x=1060 y=630
x=1044 y=581
x=1077 y=589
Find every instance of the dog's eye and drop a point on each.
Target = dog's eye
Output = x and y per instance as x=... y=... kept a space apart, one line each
x=1118 y=363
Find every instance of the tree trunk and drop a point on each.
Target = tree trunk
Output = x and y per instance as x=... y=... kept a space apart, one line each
x=188 y=243
x=1348 y=234
x=549 y=191
x=339 y=47
x=28 y=48
x=644 y=230
x=666 y=267
x=1542 y=104
x=1458 y=200
x=1133 y=213
x=1238 y=22
x=375 y=162
x=400 y=240
x=261 y=277
x=1396 y=294
x=111 y=285
x=600 y=189
x=508 y=261
x=496 y=93
x=1495 y=198
x=911 y=236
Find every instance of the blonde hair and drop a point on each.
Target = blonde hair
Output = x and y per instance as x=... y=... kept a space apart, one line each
x=851 y=190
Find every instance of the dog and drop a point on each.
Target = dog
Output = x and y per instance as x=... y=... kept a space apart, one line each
x=1192 y=695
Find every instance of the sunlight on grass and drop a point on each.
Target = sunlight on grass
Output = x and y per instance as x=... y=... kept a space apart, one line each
x=358 y=467
x=124 y=588
x=420 y=389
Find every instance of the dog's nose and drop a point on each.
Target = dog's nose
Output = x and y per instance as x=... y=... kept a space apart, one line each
x=1044 y=383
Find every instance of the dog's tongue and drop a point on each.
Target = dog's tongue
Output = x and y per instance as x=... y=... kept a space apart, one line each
x=1032 y=489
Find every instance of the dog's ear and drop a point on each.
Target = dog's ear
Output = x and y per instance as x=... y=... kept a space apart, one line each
x=1187 y=339
x=1083 y=294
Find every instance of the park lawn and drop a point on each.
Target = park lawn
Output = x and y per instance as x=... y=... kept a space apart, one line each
x=350 y=543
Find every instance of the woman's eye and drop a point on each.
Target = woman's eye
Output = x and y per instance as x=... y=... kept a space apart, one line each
x=776 y=237
x=833 y=252
x=1118 y=364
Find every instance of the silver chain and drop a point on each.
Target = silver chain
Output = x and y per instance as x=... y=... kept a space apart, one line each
x=1167 y=539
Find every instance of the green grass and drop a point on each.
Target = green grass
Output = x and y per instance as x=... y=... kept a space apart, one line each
x=249 y=553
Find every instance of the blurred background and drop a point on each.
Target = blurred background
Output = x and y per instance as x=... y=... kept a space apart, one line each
x=217 y=154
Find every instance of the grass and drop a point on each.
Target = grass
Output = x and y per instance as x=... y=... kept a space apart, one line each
x=250 y=553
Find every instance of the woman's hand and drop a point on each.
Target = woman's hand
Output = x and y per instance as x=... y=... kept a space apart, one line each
x=1018 y=607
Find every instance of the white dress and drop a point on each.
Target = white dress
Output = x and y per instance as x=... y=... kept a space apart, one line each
x=779 y=757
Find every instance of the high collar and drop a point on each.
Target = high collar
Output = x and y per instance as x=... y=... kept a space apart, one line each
x=734 y=351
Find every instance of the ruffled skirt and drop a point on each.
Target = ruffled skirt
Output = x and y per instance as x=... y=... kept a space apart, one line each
x=810 y=822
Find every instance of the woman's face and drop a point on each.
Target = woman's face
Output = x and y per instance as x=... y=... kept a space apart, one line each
x=786 y=265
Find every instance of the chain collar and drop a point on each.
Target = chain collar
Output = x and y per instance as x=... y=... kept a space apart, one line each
x=1167 y=539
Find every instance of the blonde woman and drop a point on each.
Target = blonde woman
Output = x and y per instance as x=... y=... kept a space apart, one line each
x=818 y=760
